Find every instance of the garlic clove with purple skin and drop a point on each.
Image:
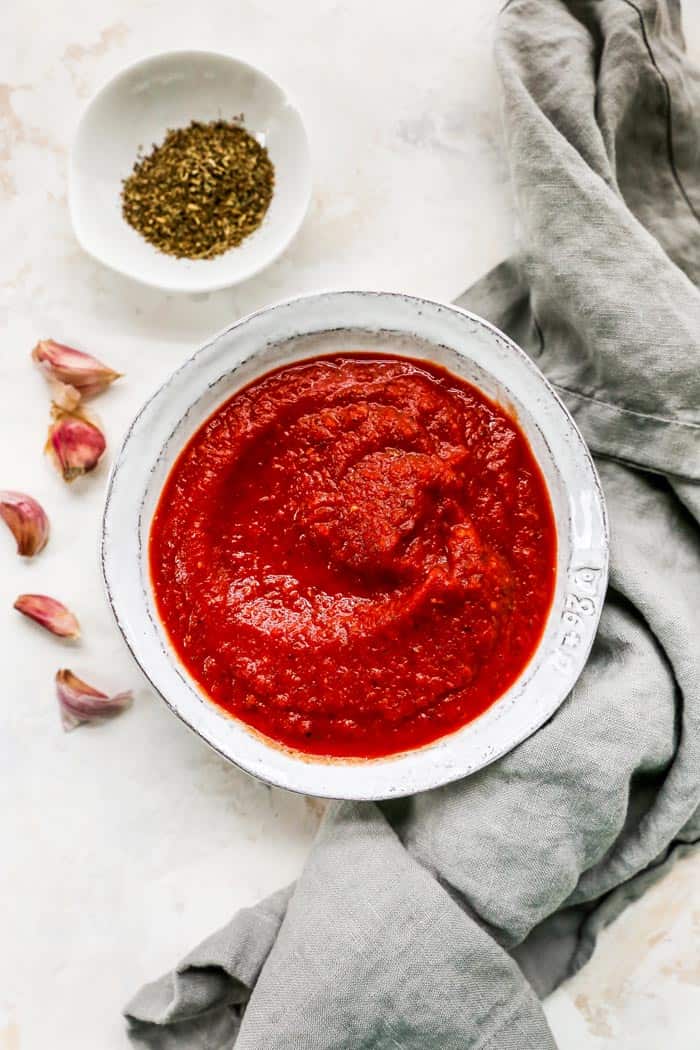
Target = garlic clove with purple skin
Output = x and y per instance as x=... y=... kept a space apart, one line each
x=71 y=373
x=75 y=443
x=27 y=520
x=49 y=613
x=79 y=702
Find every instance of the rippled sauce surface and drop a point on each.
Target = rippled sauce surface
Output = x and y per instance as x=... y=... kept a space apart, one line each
x=355 y=555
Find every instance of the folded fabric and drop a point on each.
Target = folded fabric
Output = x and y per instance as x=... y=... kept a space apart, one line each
x=439 y=921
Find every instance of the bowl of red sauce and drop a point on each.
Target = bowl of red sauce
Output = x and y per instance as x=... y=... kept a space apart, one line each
x=357 y=544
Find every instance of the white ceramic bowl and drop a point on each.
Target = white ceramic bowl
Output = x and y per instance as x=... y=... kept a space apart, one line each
x=322 y=323
x=135 y=110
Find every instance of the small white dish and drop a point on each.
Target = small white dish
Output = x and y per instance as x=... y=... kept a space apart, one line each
x=324 y=323
x=132 y=112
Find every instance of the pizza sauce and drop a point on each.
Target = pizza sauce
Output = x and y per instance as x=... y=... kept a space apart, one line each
x=355 y=554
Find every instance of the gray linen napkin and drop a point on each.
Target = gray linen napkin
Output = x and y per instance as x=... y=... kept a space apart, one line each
x=439 y=920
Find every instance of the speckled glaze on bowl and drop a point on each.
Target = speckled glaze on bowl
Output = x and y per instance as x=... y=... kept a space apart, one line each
x=289 y=332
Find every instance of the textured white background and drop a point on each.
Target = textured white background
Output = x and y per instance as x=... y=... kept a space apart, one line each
x=123 y=846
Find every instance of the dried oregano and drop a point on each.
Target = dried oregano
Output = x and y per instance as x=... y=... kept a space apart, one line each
x=202 y=191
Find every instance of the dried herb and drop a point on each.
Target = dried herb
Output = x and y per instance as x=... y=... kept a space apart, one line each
x=201 y=192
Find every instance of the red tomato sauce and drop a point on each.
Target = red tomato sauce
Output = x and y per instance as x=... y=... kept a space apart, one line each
x=355 y=555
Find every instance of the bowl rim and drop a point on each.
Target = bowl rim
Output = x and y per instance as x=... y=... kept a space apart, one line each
x=301 y=760
x=174 y=286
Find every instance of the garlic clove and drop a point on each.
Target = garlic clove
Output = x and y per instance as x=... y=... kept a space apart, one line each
x=79 y=702
x=74 y=442
x=27 y=520
x=71 y=373
x=51 y=614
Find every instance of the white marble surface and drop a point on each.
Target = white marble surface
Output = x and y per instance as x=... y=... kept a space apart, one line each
x=124 y=845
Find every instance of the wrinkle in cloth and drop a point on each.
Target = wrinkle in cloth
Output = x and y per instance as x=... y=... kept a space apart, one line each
x=441 y=920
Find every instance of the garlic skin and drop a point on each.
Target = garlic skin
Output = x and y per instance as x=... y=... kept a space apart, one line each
x=49 y=613
x=27 y=520
x=71 y=373
x=75 y=443
x=81 y=703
